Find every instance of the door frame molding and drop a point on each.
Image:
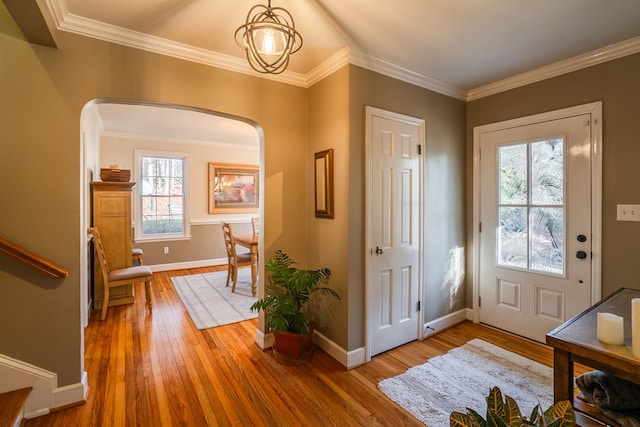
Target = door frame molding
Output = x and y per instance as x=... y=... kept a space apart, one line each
x=595 y=110
x=369 y=113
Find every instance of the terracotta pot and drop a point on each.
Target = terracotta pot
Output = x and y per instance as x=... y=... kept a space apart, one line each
x=291 y=348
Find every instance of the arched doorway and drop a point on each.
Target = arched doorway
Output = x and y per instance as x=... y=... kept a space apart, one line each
x=212 y=136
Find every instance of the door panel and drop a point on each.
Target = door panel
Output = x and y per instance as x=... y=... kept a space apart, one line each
x=535 y=185
x=393 y=265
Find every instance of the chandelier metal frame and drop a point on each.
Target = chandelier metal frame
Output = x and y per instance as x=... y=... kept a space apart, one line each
x=279 y=22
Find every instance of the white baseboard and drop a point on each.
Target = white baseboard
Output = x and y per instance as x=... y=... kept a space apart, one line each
x=349 y=359
x=353 y=358
x=444 y=322
x=264 y=341
x=70 y=394
x=188 y=264
x=45 y=394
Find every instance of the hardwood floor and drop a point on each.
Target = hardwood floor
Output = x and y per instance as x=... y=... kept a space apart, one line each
x=159 y=370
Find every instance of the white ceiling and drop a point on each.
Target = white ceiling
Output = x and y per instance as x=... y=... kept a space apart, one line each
x=455 y=47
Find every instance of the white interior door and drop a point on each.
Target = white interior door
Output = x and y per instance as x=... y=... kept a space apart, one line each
x=535 y=266
x=394 y=205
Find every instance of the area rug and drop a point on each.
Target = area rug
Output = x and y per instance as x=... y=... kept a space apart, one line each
x=462 y=379
x=210 y=303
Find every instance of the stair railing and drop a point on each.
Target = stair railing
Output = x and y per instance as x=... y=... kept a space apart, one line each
x=32 y=259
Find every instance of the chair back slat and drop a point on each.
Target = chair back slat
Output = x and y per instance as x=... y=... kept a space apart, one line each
x=228 y=242
x=102 y=256
x=255 y=223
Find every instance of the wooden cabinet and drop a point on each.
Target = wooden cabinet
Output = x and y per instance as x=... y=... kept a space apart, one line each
x=111 y=214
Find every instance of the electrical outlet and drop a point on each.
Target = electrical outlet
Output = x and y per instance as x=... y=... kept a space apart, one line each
x=166 y=250
x=628 y=213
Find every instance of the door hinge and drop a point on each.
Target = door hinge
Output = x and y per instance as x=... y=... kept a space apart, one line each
x=480 y=228
x=419 y=149
x=479 y=301
x=418 y=306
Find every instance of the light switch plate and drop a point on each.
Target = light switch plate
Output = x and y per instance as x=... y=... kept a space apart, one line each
x=628 y=213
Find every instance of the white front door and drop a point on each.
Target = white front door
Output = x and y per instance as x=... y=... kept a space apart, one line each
x=536 y=234
x=393 y=238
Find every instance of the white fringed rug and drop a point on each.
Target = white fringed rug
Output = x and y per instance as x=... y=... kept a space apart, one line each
x=210 y=303
x=462 y=379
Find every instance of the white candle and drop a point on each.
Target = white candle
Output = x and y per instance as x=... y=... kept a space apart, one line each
x=635 y=327
x=611 y=328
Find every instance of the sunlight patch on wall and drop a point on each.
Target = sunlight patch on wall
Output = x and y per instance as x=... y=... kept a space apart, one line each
x=454 y=277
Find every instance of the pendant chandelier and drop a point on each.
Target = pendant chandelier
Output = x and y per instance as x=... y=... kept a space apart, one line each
x=269 y=37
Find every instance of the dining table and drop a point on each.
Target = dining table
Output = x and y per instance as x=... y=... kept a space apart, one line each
x=250 y=241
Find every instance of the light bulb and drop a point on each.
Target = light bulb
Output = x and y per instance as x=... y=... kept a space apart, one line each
x=268 y=42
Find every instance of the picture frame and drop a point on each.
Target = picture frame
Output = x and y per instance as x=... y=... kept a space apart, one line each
x=233 y=188
x=323 y=183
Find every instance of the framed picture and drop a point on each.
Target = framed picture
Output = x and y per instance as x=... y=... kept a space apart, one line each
x=323 y=165
x=233 y=188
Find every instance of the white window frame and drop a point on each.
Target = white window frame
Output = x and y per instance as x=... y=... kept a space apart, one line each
x=137 y=199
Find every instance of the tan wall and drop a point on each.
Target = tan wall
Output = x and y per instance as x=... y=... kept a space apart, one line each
x=43 y=92
x=616 y=84
x=444 y=157
x=206 y=242
x=327 y=242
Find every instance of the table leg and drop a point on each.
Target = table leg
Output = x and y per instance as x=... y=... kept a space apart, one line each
x=254 y=270
x=562 y=376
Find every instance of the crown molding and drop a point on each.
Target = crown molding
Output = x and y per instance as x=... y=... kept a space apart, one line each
x=66 y=21
x=328 y=67
x=110 y=33
x=381 y=66
x=589 y=59
x=98 y=30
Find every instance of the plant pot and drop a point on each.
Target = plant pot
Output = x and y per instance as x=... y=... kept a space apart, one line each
x=291 y=348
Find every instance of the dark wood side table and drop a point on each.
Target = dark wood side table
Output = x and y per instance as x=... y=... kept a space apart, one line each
x=576 y=341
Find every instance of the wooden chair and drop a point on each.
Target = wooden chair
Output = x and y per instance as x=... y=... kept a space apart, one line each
x=136 y=255
x=119 y=277
x=235 y=260
x=255 y=223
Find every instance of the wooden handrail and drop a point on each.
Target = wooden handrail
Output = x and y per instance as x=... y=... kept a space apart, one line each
x=32 y=259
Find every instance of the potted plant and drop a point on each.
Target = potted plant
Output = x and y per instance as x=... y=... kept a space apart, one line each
x=506 y=413
x=290 y=289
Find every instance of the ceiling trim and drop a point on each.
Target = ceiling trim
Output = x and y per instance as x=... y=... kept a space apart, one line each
x=595 y=57
x=99 y=30
x=113 y=34
x=388 y=69
x=110 y=33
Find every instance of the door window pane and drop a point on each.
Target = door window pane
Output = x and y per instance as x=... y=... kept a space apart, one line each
x=547 y=172
x=531 y=207
x=512 y=160
x=512 y=237
x=547 y=239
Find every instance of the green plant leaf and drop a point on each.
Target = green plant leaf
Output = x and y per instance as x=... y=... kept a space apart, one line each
x=513 y=416
x=507 y=414
x=560 y=415
x=495 y=404
x=457 y=419
x=535 y=415
x=495 y=420
x=289 y=290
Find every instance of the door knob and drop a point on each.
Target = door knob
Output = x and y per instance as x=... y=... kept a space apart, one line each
x=379 y=251
x=581 y=255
